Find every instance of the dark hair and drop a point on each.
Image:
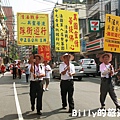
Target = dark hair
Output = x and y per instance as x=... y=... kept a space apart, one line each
x=105 y=55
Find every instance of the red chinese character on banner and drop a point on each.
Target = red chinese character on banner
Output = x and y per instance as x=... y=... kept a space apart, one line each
x=32 y=16
x=72 y=47
x=70 y=29
x=71 y=37
x=43 y=30
x=22 y=30
x=108 y=33
x=22 y=16
x=47 y=48
x=76 y=43
x=112 y=34
x=37 y=31
x=40 y=48
x=76 y=34
x=37 y=17
x=116 y=34
x=75 y=17
x=47 y=55
x=29 y=30
x=70 y=20
x=27 y=17
x=76 y=26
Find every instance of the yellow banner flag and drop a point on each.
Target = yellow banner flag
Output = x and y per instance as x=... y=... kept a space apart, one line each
x=66 y=29
x=32 y=29
x=112 y=33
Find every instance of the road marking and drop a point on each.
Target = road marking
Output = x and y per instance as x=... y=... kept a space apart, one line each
x=17 y=103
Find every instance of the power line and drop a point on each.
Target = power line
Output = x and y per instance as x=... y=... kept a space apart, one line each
x=41 y=2
x=44 y=10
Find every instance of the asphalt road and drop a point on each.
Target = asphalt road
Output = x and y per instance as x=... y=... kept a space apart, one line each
x=15 y=102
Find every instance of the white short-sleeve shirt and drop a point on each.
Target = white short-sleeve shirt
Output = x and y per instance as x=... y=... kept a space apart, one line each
x=62 y=67
x=47 y=73
x=38 y=70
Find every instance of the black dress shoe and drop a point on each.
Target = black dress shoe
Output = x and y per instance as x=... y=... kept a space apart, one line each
x=70 y=111
x=64 y=108
x=117 y=108
x=102 y=107
x=32 y=108
x=39 y=113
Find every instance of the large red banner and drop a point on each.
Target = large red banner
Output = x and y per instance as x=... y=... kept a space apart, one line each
x=44 y=50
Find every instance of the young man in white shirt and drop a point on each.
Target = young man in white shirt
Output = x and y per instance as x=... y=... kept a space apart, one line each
x=36 y=83
x=46 y=79
x=67 y=70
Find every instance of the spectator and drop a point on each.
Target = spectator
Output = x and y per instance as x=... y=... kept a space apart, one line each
x=3 y=69
x=46 y=79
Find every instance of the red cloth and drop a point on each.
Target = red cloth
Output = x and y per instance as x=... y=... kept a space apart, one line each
x=3 y=68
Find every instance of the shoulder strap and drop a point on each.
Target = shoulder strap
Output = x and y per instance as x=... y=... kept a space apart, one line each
x=41 y=67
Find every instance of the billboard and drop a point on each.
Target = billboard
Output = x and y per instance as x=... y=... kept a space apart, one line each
x=32 y=29
x=66 y=29
x=112 y=33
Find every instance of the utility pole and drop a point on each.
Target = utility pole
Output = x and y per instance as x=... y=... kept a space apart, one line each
x=87 y=15
x=118 y=7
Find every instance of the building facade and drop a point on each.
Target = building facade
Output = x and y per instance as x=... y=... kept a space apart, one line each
x=3 y=35
x=10 y=23
x=97 y=10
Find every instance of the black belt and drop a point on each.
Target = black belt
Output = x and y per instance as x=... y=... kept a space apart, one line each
x=67 y=80
x=104 y=78
x=36 y=81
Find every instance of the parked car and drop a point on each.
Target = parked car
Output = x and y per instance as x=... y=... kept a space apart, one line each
x=79 y=71
x=89 y=66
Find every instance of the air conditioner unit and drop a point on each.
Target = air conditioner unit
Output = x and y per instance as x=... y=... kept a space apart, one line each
x=98 y=35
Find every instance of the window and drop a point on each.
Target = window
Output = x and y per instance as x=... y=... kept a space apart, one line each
x=108 y=8
x=77 y=10
x=75 y=63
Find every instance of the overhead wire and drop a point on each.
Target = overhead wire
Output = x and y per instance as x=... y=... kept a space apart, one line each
x=61 y=5
x=44 y=10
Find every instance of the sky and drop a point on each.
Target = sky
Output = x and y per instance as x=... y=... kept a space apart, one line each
x=37 y=6
x=30 y=6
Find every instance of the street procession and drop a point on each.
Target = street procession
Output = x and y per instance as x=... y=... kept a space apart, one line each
x=60 y=59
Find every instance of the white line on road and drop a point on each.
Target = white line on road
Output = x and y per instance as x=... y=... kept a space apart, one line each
x=17 y=103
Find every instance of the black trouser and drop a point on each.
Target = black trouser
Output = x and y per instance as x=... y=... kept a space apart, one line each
x=36 y=90
x=14 y=74
x=105 y=87
x=19 y=73
x=67 y=87
x=27 y=76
